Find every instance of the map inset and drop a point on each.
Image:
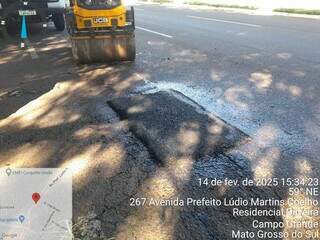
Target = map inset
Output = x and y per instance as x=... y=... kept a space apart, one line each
x=35 y=203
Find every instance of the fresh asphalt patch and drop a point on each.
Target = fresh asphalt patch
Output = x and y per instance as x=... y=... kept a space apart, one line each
x=191 y=144
x=173 y=127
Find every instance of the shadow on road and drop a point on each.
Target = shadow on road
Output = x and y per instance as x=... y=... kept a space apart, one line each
x=54 y=114
x=24 y=78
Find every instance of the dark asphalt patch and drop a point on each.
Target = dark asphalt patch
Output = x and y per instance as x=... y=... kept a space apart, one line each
x=178 y=132
x=174 y=127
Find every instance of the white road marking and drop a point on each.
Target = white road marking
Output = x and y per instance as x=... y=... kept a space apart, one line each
x=31 y=50
x=225 y=21
x=140 y=9
x=151 y=31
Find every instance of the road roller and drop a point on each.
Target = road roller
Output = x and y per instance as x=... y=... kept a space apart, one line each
x=101 y=31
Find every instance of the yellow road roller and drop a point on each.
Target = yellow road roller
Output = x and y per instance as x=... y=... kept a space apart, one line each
x=101 y=31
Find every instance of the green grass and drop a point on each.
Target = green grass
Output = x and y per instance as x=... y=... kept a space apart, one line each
x=220 y=5
x=297 y=11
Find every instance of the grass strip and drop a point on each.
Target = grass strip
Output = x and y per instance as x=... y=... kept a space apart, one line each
x=298 y=11
x=221 y=5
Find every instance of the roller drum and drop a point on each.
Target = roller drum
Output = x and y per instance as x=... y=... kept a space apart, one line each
x=104 y=48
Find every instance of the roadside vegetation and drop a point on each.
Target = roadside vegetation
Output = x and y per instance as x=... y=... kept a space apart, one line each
x=162 y=1
x=220 y=5
x=298 y=11
x=158 y=1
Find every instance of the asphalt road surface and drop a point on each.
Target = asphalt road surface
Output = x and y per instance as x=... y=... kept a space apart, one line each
x=259 y=74
x=264 y=68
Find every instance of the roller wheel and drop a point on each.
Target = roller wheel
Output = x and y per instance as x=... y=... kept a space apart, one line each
x=12 y=28
x=59 y=21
